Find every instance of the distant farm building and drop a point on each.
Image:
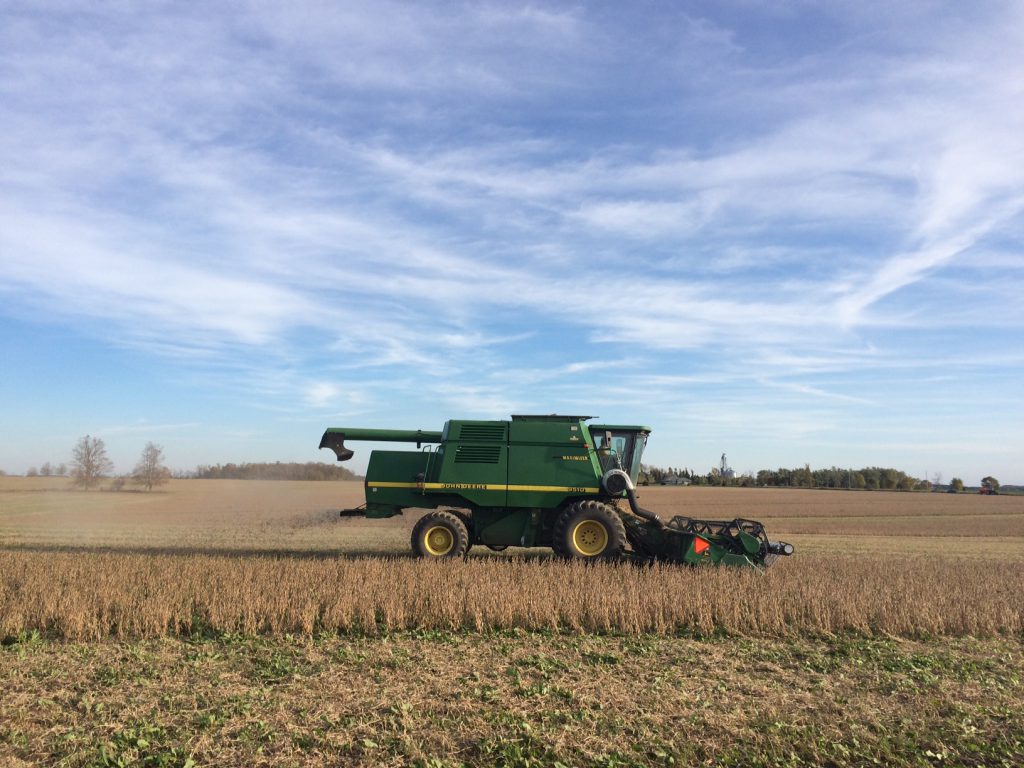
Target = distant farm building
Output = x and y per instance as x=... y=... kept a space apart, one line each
x=675 y=480
x=725 y=471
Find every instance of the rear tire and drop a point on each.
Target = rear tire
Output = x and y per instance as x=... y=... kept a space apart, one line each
x=438 y=535
x=589 y=530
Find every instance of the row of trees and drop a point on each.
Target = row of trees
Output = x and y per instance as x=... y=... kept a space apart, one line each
x=90 y=464
x=871 y=478
x=48 y=470
x=311 y=470
x=657 y=475
x=866 y=478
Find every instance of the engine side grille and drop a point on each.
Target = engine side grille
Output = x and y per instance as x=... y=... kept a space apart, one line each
x=478 y=454
x=492 y=433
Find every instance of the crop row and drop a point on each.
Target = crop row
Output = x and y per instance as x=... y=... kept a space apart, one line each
x=92 y=595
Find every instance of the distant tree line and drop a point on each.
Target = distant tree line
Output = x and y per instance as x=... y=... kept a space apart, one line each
x=48 y=470
x=90 y=465
x=865 y=478
x=658 y=475
x=869 y=478
x=311 y=470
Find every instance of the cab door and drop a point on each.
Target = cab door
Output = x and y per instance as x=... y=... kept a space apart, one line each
x=614 y=449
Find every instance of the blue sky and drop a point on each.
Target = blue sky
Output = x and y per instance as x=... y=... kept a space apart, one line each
x=789 y=231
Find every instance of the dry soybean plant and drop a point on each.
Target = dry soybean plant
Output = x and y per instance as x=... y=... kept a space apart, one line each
x=93 y=595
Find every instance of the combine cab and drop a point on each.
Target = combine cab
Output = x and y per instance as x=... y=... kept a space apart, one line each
x=538 y=481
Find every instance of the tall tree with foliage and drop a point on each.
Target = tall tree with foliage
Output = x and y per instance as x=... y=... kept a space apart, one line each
x=957 y=484
x=89 y=462
x=150 y=470
x=991 y=482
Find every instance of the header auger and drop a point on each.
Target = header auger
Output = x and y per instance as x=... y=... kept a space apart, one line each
x=538 y=481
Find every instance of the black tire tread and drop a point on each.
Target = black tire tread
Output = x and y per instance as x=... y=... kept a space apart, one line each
x=453 y=522
x=592 y=510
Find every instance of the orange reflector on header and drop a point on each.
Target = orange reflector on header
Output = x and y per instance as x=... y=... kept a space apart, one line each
x=699 y=544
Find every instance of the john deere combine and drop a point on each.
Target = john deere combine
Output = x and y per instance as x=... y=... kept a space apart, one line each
x=538 y=481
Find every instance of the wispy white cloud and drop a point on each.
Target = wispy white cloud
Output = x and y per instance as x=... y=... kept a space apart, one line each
x=805 y=389
x=321 y=393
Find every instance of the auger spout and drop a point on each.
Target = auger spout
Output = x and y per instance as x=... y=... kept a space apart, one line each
x=335 y=437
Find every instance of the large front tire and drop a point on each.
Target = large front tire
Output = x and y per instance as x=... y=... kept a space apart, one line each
x=440 y=534
x=589 y=530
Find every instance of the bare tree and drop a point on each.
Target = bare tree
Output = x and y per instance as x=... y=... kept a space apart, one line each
x=89 y=462
x=150 y=470
x=46 y=470
x=62 y=469
x=32 y=472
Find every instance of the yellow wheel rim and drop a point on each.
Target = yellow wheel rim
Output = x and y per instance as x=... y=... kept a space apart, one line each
x=438 y=540
x=590 y=538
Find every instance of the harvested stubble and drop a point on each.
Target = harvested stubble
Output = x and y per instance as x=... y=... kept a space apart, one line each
x=91 y=595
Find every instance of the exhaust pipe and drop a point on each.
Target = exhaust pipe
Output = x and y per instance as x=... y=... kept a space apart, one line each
x=615 y=481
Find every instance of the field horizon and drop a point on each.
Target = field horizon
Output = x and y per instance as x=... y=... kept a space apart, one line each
x=300 y=515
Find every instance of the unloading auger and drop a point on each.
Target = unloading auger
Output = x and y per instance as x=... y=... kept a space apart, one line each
x=538 y=481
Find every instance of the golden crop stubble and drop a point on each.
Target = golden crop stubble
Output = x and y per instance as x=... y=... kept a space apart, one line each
x=91 y=595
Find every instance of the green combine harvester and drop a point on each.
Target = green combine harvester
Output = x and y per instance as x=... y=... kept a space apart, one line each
x=538 y=481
